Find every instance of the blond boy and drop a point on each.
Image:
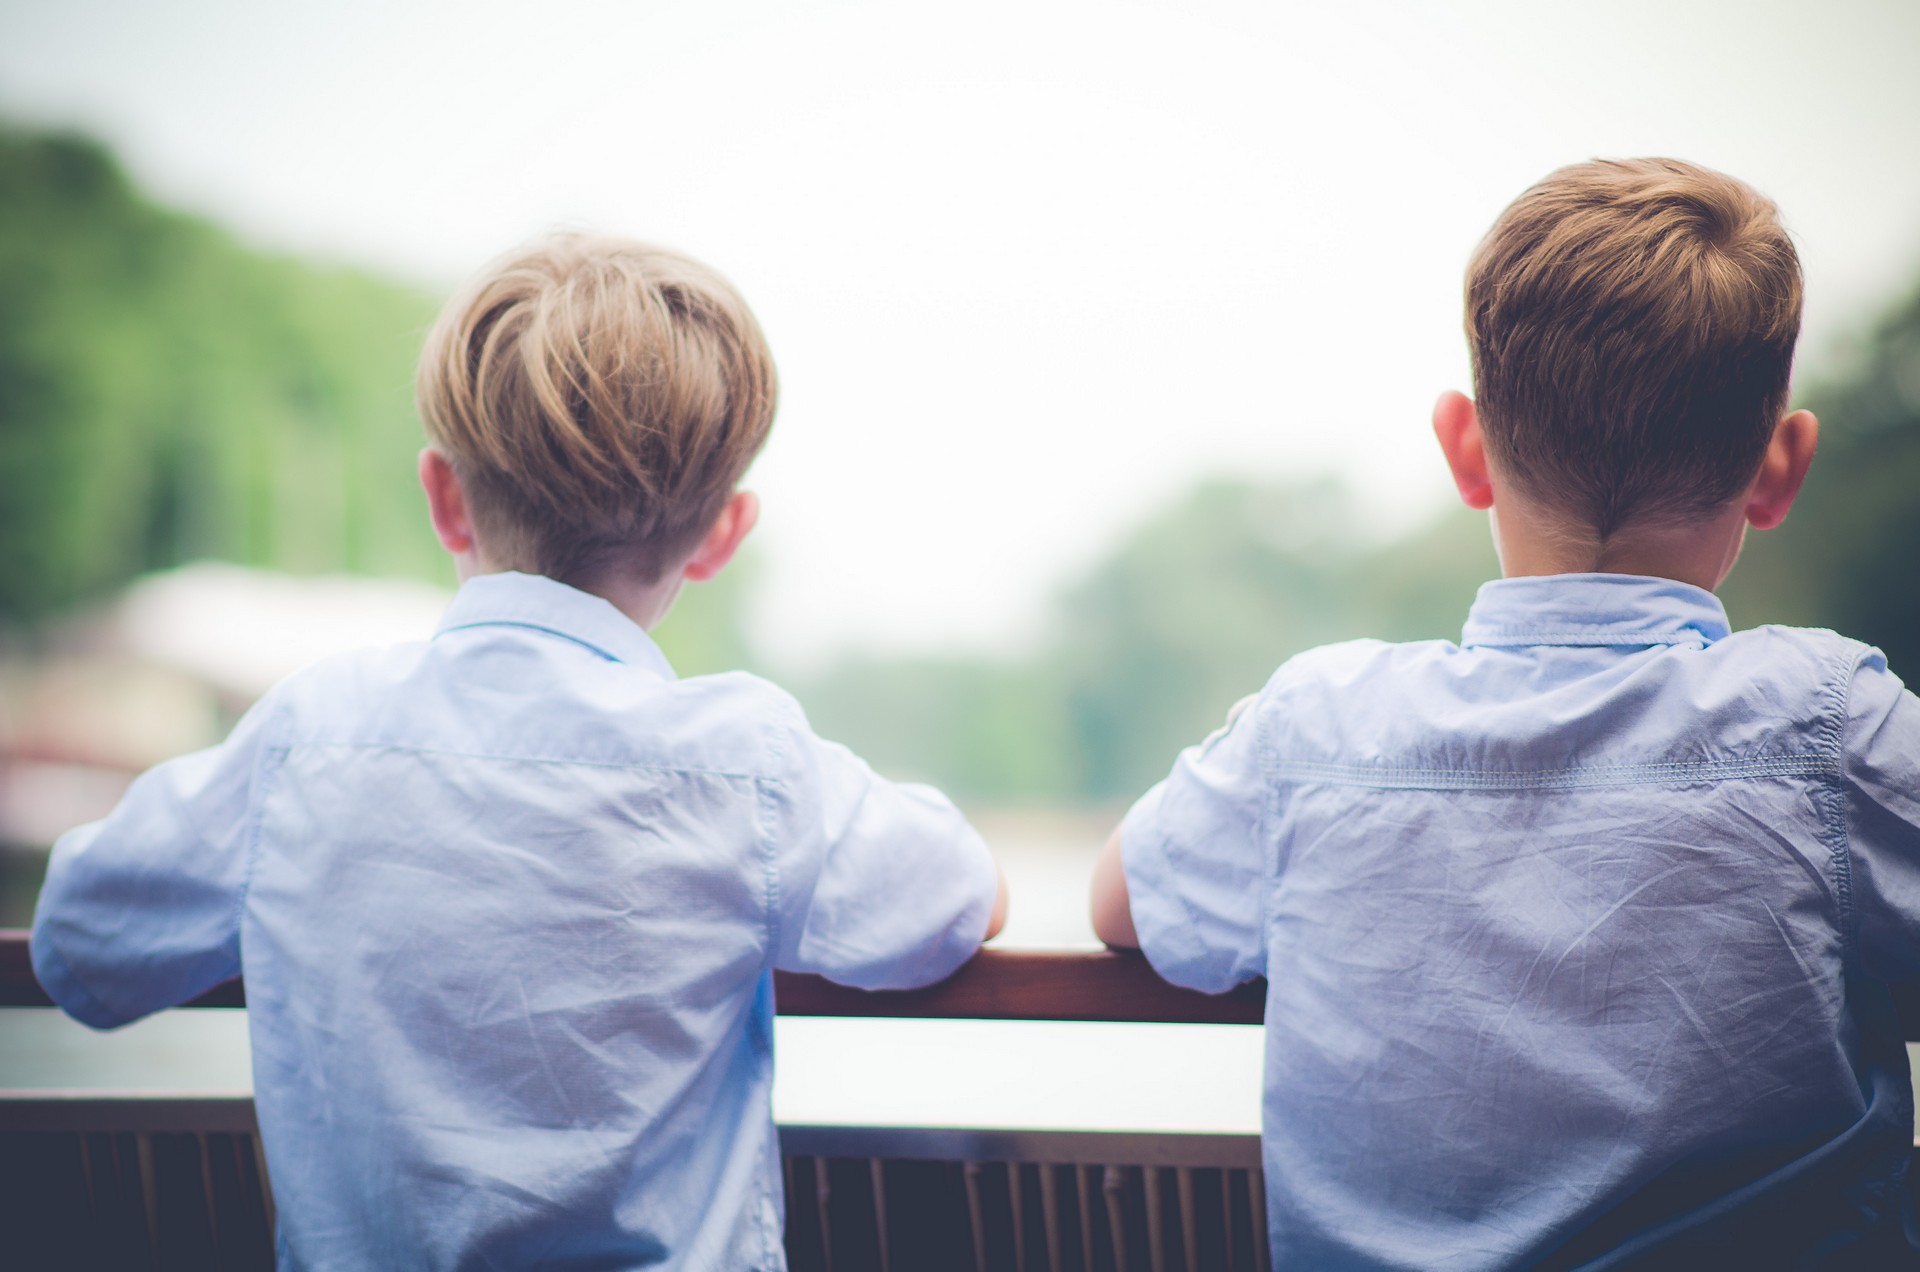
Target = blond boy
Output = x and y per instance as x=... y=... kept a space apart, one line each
x=1576 y=933
x=508 y=902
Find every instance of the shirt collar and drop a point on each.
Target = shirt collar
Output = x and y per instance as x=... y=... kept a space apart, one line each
x=545 y=605
x=1594 y=609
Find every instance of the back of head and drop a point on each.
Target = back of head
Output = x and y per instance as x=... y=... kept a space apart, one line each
x=1632 y=327
x=599 y=400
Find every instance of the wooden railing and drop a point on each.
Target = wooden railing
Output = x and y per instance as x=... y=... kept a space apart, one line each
x=857 y=1198
x=995 y=985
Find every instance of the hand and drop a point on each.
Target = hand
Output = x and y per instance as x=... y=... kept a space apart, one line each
x=1112 y=909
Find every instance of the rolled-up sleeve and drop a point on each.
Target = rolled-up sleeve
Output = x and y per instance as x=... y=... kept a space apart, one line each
x=141 y=911
x=881 y=885
x=1194 y=855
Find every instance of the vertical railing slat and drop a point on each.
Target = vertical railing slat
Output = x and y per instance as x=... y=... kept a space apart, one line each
x=1156 y=1220
x=1189 y=1228
x=822 y=1197
x=149 y=1192
x=1084 y=1193
x=86 y=1175
x=1017 y=1211
x=1226 y=1220
x=1050 y=1215
x=970 y=1177
x=206 y=1200
x=266 y=1192
x=876 y=1169
x=1114 y=1183
x=1257 y=1203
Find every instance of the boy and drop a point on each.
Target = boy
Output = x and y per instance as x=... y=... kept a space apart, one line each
x=508 y=902
x=1576 y=934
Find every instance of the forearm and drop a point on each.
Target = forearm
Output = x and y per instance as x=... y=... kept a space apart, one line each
x=998 y=919
x=1111 y=908
x=141 y=911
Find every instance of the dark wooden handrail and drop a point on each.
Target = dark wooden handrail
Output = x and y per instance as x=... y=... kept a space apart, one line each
x=996 y=985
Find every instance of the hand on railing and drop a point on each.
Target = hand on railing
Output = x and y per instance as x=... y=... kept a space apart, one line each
x=998 y=984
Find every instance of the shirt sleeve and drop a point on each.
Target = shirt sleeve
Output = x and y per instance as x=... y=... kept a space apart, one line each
x=881 y=885
x=1194 y=855
x=141 y=911
x=1881 y=751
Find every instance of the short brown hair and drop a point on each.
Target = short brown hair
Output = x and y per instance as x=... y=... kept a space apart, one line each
x=1632 y=326
x=599 y=399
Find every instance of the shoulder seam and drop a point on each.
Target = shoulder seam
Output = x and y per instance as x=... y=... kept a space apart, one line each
x=273 y=754
x=581 y=761
x=769 y=848
x=1384 y=776
x=1839 y=849
x=1264 y=754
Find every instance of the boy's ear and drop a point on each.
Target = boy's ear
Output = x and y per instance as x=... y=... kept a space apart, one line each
x=723 y=539
x=1456 y=423
x=446 y=503
x=1784 y=467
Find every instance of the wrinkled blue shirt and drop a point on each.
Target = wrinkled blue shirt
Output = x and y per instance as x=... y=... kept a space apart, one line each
x=1575 y=934
x=508 y=903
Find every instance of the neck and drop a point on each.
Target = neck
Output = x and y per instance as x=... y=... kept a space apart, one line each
x=1531 y=541
x=644 y=603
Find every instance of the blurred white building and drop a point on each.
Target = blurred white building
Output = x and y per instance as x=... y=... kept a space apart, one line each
x=166 y=668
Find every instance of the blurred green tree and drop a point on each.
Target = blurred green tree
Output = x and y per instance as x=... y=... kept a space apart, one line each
x=1846 y=557
x=986 y=731
x=1193 y=611
x=706 y=630
x=1201 y=604
x=167 y=393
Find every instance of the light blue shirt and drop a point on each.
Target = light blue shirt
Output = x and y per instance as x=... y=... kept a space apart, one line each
x=508 y=903
x=1573 y=932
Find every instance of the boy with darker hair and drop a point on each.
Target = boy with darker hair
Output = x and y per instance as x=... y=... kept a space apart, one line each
x=1577 y=933
x=509 y=901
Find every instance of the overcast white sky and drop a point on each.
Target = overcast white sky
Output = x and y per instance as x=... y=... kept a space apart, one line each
x=1029 y=269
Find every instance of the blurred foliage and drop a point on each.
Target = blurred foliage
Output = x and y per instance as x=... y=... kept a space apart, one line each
x=1200 y=605
x=168 y=394
x=982 y=731
x=706 y=630
x=1192 y=612
x=1203 y=601
x=1848 y=556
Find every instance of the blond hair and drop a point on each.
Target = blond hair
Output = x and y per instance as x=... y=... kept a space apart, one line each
x=599 y=400
x=1632 y=326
